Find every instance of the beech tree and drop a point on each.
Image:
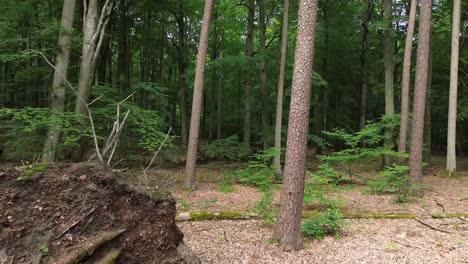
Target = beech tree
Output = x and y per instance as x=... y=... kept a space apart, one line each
x=59 y=86
x=452 y=116
x=94 y=30
x=280 y=88
x=419 y=101
x=406 y=78
x=197 y=97
x=289 y=221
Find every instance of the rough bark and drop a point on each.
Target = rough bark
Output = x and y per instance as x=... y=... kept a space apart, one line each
x=57 y=103
x=280 y=88
x=289 y=221
x=263 y=75
x=365 y=62
x=182 y=68
x=428 y=116
x=248 y=82
x=94 y=27
x=419 y=101
x=389 y=77
x=452 y=115
x=406 y=77
x=197 y=97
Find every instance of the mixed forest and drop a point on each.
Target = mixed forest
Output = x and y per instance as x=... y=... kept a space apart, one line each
x=233 y=131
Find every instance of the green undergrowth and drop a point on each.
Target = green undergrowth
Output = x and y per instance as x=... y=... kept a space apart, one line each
x=30 y=170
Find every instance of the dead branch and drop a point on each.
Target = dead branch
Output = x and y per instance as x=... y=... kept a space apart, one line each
x=75 y=223
x=432 y=227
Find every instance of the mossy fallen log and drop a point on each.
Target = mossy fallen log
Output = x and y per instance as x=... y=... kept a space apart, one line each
x=245 y=215
x=91 y=246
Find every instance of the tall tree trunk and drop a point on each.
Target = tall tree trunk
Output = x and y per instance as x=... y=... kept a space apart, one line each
x=161 y=52
x=124 y=56
x=197 y=97
x=59 y=88
x=365 y=62
x=263 y=75
x=428 y=116
x=289 y=221
x=419 y=101
x=280 y=88
x=389 y=78
x=452 y=116
x=219 y=102
x=94 y=27
x=406 y=78
x=248 y=83
x=182 y=65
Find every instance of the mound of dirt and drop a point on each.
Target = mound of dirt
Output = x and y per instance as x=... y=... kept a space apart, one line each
x=85 y=214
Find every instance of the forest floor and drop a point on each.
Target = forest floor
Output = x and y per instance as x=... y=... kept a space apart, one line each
x=363 y=240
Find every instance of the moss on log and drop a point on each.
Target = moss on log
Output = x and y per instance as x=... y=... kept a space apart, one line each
x=245 y=215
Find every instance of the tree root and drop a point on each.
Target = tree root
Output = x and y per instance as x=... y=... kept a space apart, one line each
x=94 y=244
x=110 y=257
x=244 y=215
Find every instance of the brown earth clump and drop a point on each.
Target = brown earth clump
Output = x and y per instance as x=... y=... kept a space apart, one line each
x=83 y=213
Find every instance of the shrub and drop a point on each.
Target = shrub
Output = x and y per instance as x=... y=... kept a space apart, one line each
x=228 y=148
x=330 y=223
x=265 y=208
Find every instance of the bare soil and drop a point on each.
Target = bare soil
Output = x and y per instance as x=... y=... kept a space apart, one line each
x=59 y=212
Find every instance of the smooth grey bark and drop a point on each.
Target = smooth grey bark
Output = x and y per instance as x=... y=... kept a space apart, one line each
x=292 y=193
x=248 y=83
x=452 y=115
x=280 y=88
x=57 y=103
x=389 y=71
x=94 y=28
x=197 y=97
x=419 y=101
x=406 y=78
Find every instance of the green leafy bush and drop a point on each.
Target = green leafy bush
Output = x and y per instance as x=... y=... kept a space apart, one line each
x=396 y=180
x=259 y=172
x=330 y=223
x=228 y=148
x=265 y=208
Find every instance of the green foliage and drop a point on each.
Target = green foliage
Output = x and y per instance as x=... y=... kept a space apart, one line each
x=316 y=191
x=370 y=136
x=23 y=131
x=265 y=208
x=258 y=172
x=330 y=223
x=44 y=250
x=396 y=180
x=228 y=148
x=30 y=170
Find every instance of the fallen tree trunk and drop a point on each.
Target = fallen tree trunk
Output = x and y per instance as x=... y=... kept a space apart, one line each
x=245 y=215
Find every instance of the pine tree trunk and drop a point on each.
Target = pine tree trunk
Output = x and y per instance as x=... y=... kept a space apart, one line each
x=365 y=63
x=419 y=101
x=248 y=83
x=428 y=116
x=182 y=65
x=289 y=221
x=452 y=116
x=59 y=88
x=280 y=88
x=263 y=76
x=197 y=97
x=389 y=78
x=406 y=78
